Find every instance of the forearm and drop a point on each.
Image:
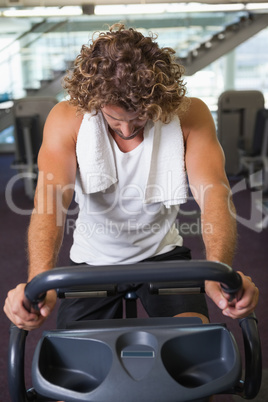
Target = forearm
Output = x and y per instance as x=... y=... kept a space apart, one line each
x=52 y=199
x=219 y=225
x=44 y=242
x=220 y=246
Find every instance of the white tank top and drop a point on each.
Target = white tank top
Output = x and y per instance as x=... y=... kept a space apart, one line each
x=115 y=226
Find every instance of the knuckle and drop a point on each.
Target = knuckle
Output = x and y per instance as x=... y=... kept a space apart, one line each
x=10 y=294
x=20 y=324
x=14 y=309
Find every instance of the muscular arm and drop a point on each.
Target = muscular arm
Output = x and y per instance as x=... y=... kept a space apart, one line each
x=54 y=192
x=209 y=184
x=210 y=188
x=57 y=170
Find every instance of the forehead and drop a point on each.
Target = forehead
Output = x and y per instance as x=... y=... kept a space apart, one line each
x=119 y=113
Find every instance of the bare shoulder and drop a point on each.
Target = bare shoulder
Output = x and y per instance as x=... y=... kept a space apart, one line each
x=195 y=106
x=204 y=157
x=197 y=118
x=63 y=122
x=60 y=136
x=64 y=107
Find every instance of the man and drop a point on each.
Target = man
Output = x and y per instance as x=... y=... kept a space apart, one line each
x=125 y=140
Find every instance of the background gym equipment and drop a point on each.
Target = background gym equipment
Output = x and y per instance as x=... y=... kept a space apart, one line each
x=29 y=119
x=236 y=118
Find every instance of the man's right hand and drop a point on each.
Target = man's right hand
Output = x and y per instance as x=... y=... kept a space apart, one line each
x=22 y=318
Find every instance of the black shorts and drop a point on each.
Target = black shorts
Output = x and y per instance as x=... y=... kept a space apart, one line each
x=155 y=305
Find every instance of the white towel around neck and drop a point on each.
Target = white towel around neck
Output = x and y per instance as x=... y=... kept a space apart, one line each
x=164 y=157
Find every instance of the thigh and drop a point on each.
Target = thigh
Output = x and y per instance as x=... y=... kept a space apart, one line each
x=71 y=310
x=171 y=305
x=94 y=308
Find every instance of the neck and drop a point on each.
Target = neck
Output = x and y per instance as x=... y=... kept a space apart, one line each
x=127 y=145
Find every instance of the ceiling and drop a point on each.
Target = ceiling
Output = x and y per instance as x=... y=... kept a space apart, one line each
x=58 y=3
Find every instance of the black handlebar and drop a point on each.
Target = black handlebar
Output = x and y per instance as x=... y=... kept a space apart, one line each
x=253 y=356
x=193 y=272
x=145 y=272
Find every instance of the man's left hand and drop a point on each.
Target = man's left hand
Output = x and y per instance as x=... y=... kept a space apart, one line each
x=243 y=304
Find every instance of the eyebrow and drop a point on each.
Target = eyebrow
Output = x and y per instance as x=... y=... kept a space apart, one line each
x=111 y=116
x=107 y=114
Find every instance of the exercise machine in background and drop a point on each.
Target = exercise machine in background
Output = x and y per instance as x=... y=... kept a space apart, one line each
x=29 y=118
x=236 y=120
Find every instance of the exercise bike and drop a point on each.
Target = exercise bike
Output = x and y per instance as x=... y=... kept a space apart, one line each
x=136 y=359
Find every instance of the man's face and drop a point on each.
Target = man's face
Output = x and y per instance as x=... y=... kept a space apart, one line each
x=127 y=125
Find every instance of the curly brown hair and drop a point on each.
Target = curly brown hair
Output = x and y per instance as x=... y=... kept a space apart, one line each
x=124 y=68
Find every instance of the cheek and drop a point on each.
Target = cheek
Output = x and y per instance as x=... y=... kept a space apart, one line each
x=113 y=125
x=140 y=125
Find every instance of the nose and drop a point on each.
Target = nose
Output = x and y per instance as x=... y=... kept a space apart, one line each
x=127 y=128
